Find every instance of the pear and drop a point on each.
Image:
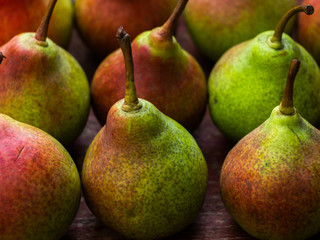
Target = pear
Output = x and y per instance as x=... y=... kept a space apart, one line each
x=97 y=21
x=166 y=75
x=143 y=175
x=215 y=25
x=24 y=16
x=308 y=30
x=245 y=84
x=40 y=186
x=43 y=85
x=270 y=180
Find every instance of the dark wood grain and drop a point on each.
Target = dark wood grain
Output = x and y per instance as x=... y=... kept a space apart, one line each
x=213 y=222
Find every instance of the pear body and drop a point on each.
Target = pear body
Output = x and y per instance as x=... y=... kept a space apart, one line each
x=144 y=175
x=165 y=75
x=308 y=30
x=247 y=83
x=97 y=21
x=44 y=86
x=270 y=180
x=40 y=186
x=24 y=16
x=215 y=26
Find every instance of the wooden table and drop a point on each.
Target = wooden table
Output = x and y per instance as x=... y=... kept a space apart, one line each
x=213 y=222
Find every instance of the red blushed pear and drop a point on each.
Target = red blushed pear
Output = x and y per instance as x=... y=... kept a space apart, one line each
x=97 y=21
x=165 y=74
x=40 y=186
x=24 y=16
x=270 y=180
x=143 y=175
x=43 y=85
x=308 y=30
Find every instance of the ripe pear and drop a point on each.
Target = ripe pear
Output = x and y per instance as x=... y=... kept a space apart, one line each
x=40 y=186
x=143 y=175
x=97 y=21
x=24 y=16
x=308 y=30
x=270 y=180
x=215 y=26
x=166 y=75
x=43 y=85
x=245 y=84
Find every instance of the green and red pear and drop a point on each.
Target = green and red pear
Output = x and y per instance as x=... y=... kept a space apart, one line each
x=143 y=175
x=97 y=21
x=43 y=85
x=21 y=16
x=40 y=186
x=165 y=75
x=270 y=180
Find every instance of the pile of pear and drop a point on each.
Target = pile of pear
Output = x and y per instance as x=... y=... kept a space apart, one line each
x=143 y=175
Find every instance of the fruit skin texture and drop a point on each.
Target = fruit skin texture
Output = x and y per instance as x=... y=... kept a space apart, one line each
x=40 y=185
x=270 y=181
x=97 y=21
x=165 y=74
x=215 y=26
x=44 y=86
x=144 y=175
x=246 y=84
x=308 y=30
x=24 y=16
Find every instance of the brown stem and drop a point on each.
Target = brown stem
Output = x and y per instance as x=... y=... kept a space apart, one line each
x=42 y=31
x=286 y=105
x=131 y=101
x=1 y=57
x=168 y=28
x=275 y=40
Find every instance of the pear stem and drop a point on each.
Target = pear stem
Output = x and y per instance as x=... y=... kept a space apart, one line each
x=286 y=105
x=275 y=41
x=42 y=31
x=1 y=57
x=131 y=101
x=168 y=28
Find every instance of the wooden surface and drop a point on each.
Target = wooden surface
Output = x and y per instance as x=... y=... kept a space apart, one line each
x=213 y=222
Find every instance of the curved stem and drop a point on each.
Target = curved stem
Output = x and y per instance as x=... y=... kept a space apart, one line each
x=169 y=27
x=275 y=40
x=42 y=31
x=286 y=105
x=131 y=101
x=1 y=57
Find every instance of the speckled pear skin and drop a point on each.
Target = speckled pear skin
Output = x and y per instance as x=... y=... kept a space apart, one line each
x=40 y=185
x=247 y=83
x=144 y=175
x=215 y=26
x=165 y=74
x=270 y=181
x=44 y=86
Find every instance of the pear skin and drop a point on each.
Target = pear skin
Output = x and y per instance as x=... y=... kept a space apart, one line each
x=40 y=185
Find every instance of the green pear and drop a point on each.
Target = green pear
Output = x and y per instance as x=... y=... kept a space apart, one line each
x=245 y=84
x=43 y=85
x=40 y=186
x=270 y=180
x=143 y=175
x=215 y=25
